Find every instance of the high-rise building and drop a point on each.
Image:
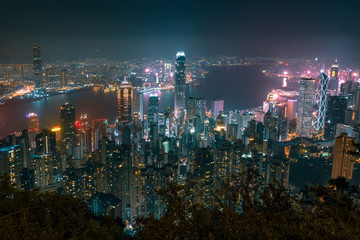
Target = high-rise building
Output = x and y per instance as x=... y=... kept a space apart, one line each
x=24 y=143
x=68 y=128
x=305 y=107
x=11 y=162
x=64 y=78
x=291 y=109
x=179 y=101
x=356 y=118
x=201 y=108
x=153 y=109
x=348 y=129
x=321 y=101
x=335 y=114
x=37 y=67
x=99 y=131
x=217 y=106
x=139 y=104
x=343 y=162
x=191 y=107
x=125 y=110
x=32 y=125
x=46 y=142
x=169 y=121
x=334 y=80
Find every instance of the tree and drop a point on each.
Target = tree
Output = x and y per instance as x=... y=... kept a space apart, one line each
x=35 y=215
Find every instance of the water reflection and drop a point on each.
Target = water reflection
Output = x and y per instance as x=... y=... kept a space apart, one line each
x=241 y=88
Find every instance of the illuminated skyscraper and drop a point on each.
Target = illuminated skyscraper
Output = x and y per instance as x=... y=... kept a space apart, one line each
x=321 y=101
x=153 y=109
x=64 y=78
x=305 y=107
x=67 y=128
x=334 y=80
x=84 y=133
x=196 y=107
x=37 y=67
x=217 y=106
x=46 y=142
x=343 y=163
x=291 y=109
x=99 y=131
x=201 y=108
x=32 y=125
x=125 y=101
x=335 y=114
x=191 y=107
x=179 y=101
x=139 y=104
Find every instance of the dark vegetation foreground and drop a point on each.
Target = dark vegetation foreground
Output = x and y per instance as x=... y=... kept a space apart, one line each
x=239 y=209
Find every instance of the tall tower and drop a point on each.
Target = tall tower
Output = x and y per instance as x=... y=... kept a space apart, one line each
x=46 y=142
x=343 y=163
x=321 y=101
x=179 y=101
x=64 y=78
x=153 y=108
x=125 y=102
x=37 y=67
x=217 y=106
x=335 y=114
x=191 y=107
x=305 y=107
x=67 y=128
x=32 y=125
x=139 y=103
x=334 y=80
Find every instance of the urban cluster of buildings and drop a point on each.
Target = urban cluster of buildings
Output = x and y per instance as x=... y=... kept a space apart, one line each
x=117 y=167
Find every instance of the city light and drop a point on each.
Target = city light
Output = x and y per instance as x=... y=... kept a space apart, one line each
x=180 y=120
x=56 y=129
x=31 y=115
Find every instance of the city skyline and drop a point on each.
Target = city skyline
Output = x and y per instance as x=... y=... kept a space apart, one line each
x=180 y=120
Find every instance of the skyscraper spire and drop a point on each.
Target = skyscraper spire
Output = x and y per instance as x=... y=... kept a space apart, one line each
x=179 y=100
x=321 y=101
x=37 y=66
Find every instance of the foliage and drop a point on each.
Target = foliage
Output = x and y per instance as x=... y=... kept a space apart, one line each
x=243 y=209
x=35 y=215
x=240 y=208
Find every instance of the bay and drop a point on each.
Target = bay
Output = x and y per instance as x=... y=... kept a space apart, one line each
x=241 y=87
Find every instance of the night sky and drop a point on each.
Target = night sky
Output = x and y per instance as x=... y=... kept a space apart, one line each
x=70 y=29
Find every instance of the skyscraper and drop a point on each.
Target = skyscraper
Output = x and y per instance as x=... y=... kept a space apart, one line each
x=217 y=106
x=67 y=128
x=139 y=103
x=305 y=107
x=99 y=131
x=64 y=78
x=32 y=125
x=291 y=109
x=321 y=101
x=201 y=108
x=46 y=142
x=335 y=114
x=179 y=101
x=37 y=67
x=343 y=163
x=153 y=109
x=334 y=81
x=356 y=118
x=191 y=107
x=125 y=102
